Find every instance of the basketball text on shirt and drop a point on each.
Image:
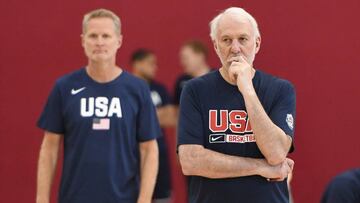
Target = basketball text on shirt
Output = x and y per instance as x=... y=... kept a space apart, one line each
x=236 y=121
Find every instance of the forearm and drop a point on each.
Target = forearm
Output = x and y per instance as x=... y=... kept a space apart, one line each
x=149 y=164
x=198 y=161
x=46 y=170
x=271 y=140
x=166 y=116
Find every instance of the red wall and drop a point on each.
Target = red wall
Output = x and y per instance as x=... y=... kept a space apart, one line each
x=315 y=44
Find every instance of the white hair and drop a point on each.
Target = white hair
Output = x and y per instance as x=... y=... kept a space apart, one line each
x=240 y=12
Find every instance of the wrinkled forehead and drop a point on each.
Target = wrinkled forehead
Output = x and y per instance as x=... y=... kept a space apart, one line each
x=232 y=24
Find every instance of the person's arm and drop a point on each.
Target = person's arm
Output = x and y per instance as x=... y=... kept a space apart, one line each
x=149 y=163
x=272 y=141
x=166 y=115
x=47 y=165
x=196 y=160
x=176 y=115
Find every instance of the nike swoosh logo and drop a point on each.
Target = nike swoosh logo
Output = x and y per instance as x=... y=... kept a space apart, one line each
x=73 y=91
x=216 y=138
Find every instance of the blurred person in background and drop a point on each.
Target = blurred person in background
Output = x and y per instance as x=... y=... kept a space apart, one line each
x=193 y=58
x=144 y=66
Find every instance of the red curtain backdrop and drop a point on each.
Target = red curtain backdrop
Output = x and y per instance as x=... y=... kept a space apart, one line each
x=314 y=44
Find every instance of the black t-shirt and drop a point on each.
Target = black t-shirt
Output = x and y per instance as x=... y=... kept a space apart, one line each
x=344 y=188
x=213 y=114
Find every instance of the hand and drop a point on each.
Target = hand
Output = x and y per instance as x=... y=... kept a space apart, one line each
x=291 y=164
x=241 y=72
x=278 y=172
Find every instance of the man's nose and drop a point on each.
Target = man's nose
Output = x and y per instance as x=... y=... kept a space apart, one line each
x=235 y=47
x=99 y=41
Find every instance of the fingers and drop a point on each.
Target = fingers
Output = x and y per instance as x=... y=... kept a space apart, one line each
x=234 y=68
x=243 y=59
x=290 y=163
x=289 y=160
x=237 y=58
x=233 y=59
x=287 y=171
x=282 y=170
x=233 y=73
x=289 y=166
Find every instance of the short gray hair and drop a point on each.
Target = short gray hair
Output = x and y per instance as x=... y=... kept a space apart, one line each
x=102 y=13
x=238 y=12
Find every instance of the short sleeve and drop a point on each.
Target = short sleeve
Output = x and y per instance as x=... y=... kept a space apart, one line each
x=147 y=121
x=51 y=119
x=165 y=97
x=284 y=110
x=190 y=127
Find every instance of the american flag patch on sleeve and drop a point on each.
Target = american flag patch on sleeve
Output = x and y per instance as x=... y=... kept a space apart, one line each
x=101 y=124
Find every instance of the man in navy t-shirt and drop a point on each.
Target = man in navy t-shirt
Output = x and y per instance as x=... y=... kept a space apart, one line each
x=107 y=122
x=144 y=64
x=236 y=124
x=193 y=58
x=344 y=188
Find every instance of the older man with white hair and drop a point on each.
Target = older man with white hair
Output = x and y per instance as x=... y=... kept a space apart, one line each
x=236 y=124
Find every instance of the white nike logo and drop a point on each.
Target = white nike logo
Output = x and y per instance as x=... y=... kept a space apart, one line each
x=73 y=91
x=215 y=138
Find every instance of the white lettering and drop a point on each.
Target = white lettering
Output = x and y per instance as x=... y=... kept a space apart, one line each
x=100 y=106
x=87 y=110
x=115 y=107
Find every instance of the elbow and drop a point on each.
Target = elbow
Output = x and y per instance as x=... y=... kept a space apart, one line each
x=274 y=161
x=276 y=158
x=186 y=171
x=277 y=155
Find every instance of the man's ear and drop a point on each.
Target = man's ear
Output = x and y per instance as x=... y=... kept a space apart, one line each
x=120 y=40
x=257 y=44
x=82 y=40
x=215 y=46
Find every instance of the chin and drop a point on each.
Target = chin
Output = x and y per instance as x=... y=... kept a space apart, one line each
x=99 y=58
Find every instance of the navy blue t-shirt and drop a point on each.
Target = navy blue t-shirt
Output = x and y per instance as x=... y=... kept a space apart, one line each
x=344 y=188
x=179 y=85
x=161 y=98
x=159 y=94
x=213 y=114
x=102 y=124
